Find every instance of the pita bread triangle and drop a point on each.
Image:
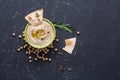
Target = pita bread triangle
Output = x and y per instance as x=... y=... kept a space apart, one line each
x=70 y=45
x=35 y=18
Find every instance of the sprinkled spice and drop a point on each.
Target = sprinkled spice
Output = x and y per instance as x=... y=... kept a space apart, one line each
x=29 y=18
x=38 y=19
x=42 y=39
x=48 y=32
x=37 y=15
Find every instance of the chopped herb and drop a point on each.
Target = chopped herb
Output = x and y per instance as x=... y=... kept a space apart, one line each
x=66 y=27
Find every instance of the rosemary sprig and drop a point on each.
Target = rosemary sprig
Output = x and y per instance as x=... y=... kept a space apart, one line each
x=63 y=26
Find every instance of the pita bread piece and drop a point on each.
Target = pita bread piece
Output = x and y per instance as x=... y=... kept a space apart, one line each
x=70 y=45
x=35 y=18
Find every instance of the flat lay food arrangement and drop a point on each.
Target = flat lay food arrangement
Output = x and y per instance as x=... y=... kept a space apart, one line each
x=39 y=36
x=59 y=40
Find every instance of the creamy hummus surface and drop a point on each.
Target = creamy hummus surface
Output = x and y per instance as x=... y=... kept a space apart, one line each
x=40 y=35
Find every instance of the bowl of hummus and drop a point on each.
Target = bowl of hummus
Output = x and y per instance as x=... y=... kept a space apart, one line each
x=40 y=36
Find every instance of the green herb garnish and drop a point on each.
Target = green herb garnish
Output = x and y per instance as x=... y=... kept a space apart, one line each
x=63 y=26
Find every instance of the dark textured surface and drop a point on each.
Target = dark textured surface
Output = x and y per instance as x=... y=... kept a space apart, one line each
x=96 y=56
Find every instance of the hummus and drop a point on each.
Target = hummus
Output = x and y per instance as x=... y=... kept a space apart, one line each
x=40 y=36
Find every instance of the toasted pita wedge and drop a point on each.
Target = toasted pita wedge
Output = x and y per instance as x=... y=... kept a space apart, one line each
x=35 y=18
x=70 y=45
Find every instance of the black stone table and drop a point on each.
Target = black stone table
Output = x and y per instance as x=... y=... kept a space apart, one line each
x=97 y=52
